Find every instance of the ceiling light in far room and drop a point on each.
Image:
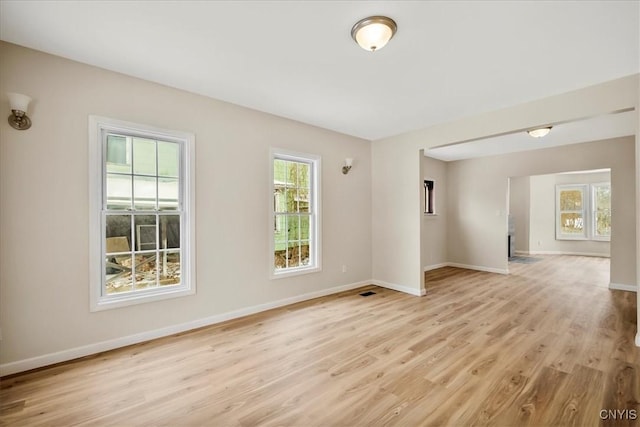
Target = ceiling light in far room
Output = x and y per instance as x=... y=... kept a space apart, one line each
x=374 y=32
x=540 y=132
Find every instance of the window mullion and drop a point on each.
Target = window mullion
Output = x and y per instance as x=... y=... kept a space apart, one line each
x=133 y=248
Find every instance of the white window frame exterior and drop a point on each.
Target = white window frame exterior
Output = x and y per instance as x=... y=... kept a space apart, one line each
x=584 y=211
x=594 y=215
x=98 y=128
x=315 y=210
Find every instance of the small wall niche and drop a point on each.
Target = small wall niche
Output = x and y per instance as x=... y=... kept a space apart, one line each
x=429 y=186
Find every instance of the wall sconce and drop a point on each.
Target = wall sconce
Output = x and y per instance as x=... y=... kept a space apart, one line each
x=19 y=104
x=348 y=162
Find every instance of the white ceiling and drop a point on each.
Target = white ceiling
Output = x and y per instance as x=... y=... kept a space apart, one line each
x=296 y=58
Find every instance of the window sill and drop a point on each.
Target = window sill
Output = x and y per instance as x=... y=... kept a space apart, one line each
x=108 y=303
x=572 y=238
x=294 y=272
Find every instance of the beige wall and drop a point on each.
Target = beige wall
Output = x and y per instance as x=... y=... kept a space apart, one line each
x=543 y=215
x=478 y=193
x=434 y=227
x=44 y=275
x=396 y=217
x=519 y=200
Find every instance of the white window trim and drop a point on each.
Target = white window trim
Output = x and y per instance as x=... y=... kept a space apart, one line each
x=316 y=231
x=585 y=215
x=98 y=301
x=594 y=236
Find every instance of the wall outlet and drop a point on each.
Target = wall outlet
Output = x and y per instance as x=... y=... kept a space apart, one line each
x=344 y=268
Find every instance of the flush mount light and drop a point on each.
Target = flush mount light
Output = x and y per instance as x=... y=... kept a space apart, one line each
x=374 y=32
x=540 y=132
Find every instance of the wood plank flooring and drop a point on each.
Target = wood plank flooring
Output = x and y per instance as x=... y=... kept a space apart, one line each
x=548 y=344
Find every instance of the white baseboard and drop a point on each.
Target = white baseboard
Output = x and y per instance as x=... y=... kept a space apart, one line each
x=479 y=268
x=434 y=266
x=466 y=266
x=623 y=287
x=400 y=288
x=87 y=350
x=601 y=255
x=522 y=252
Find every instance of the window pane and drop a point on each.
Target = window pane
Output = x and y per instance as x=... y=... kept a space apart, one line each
x=294 y=254
x=280 y=241
x=118 y=154
x=602 y=210
x=305 y=227
x=570 y=200
x=118 y=233
x=280 y=258
x=168 y=159
x=169 y=268
x=168 y=194
x=304 y=253
x=118 y=274
x=118 y=191
x=571 y=223
x=145 y=232
x=603 y=197
x=303 y=175
x=144 y=156
x=303 y=200
x=280 y=224
x=144 y=193
x=293 y=228
x=169 y=231
x=603 y=222
x=289 y=200
x=146 y=271
x=292 y=174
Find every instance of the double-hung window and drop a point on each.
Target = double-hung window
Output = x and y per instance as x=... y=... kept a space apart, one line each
x=571 y=210
x=142 y=217
x=295 y=220
x=583 y=212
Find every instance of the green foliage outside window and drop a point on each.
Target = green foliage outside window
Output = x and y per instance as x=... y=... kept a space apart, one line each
x=292 y=223
x=602 y=204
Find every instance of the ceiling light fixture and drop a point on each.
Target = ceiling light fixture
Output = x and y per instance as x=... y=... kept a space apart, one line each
x=374 y=32
x=540 y=132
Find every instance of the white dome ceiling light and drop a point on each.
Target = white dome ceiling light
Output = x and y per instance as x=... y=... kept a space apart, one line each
x=374 y=32
x=540 y=132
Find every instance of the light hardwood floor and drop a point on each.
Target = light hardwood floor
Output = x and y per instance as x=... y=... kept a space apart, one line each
x=548 y=344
